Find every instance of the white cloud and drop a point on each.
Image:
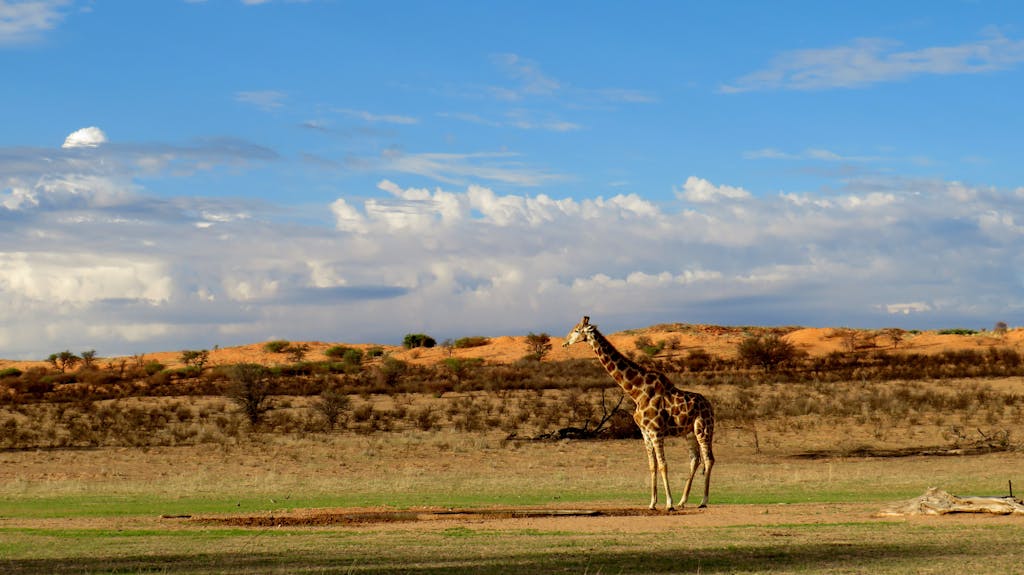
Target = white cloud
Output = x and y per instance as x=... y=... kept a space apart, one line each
x=907 y=308
x=379 y=118
x=77 y=278
x=22 y=21
x=265 y=100
x=86 y=253
x=532 y=82
x=90 y=137
x=699 y=190
x=868 y=61
x=461 y=168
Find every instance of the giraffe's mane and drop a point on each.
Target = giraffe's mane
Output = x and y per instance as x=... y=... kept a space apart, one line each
x=630 y=363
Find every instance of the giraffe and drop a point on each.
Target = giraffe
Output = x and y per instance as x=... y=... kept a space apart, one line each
x=661 y=410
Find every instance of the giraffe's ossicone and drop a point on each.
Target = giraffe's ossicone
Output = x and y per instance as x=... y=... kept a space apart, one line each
x=662 y=410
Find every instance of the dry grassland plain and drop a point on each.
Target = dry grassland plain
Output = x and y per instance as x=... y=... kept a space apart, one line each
x=795 y=489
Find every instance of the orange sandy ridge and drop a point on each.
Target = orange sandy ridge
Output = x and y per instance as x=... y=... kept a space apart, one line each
x=682 y=338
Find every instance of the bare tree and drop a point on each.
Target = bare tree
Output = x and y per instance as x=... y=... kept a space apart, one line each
x=895 y=335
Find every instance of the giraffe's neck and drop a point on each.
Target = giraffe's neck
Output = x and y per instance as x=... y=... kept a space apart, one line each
x=623 y=370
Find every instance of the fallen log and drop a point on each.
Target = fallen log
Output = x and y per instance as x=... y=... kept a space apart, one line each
x=935 y=501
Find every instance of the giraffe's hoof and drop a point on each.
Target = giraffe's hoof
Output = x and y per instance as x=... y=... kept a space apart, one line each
x=670 y=509
x=702 y=506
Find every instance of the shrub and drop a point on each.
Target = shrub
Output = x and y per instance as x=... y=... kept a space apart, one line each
x=538 y=344
x=332 y=404
x=767 y=351
x=63 y=361
x=296 y=353
x=153 y=367
x=336 y=351
x=413 y=340
x=957 y=331
x=10 y=372
x=249 y=388
x=277 y=346
x=353 y=357
x=460 y=367
x=193 y=358
x=473 y=341
x=648 y=347
x=349 y=356
x=375 y=351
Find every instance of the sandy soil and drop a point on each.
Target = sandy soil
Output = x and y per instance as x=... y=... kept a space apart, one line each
x=717 y=340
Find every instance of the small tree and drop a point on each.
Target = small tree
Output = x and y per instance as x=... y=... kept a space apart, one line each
x=1001 y=328
x=89 y=359
x=895 y=335
x=194 y=358
x=249 y=388
x=297 y=352
x=538 y=344
x=63 y=361
x=768 y=352
x=413 y=340
x=332 y=404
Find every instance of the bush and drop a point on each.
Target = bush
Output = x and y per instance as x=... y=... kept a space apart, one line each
x=767 y=351
x=473 y=341
x=64 y=360
x=336 y=351
x=958 y=331
x=413 y=340
x=648 y=347
x=332 y=405
x=250 y=389
x=194 y=358
x=10 y=372
x=277 y=346
x=153 y=367
x=539 y=345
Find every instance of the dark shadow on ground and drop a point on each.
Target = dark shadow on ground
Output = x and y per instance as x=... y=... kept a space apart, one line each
x=771 y=556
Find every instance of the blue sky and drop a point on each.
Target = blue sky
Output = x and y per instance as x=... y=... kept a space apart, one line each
x=184 y=174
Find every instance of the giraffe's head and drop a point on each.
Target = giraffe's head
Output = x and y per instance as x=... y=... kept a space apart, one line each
x=583 y=331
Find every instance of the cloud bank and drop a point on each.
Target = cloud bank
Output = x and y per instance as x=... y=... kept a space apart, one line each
x=88 y=260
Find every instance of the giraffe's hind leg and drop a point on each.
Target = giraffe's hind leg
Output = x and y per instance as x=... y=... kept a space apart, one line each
x=694 y=464
x=708 y=455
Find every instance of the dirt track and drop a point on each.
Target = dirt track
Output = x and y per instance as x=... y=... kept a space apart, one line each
x=593 y=518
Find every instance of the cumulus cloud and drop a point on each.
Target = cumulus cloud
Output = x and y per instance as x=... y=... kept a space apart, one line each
x=131 y=274
x=90 y=137
x=700 y=190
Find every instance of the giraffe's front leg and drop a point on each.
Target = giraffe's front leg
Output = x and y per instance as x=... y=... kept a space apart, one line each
x=652 y=463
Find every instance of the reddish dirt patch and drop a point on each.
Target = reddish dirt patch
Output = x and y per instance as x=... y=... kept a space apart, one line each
x=597 y=519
